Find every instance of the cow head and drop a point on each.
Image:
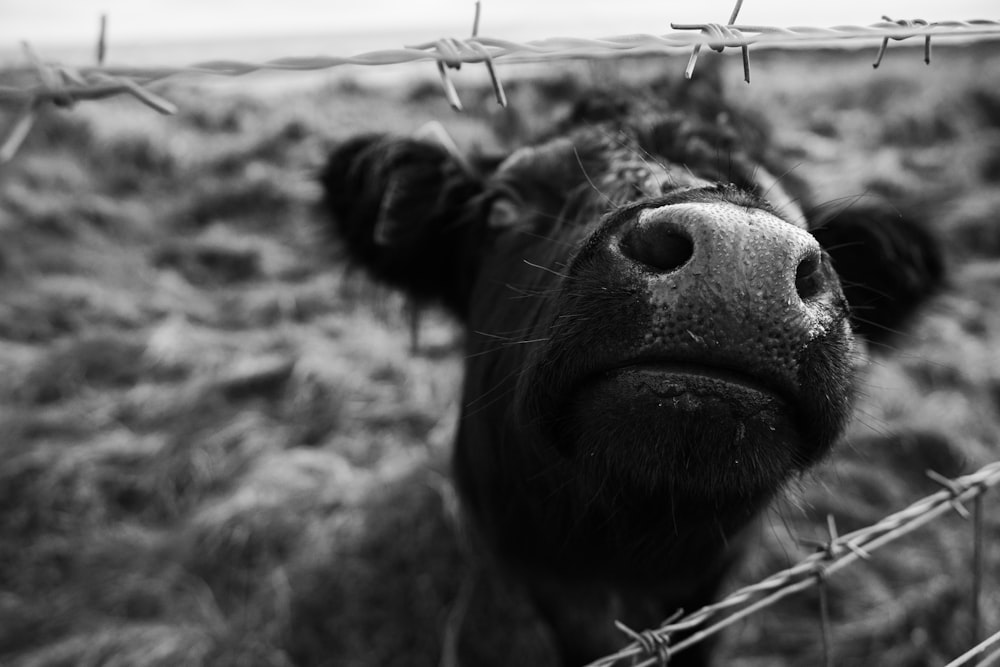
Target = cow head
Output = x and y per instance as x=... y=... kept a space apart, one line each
x=658 y=334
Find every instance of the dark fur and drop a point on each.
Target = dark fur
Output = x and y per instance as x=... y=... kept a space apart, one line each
x=885 y=262
x=602 y=504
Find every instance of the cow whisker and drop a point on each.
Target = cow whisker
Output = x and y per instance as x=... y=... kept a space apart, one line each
x=583 y=169
x=846 y=203
x=545 y=268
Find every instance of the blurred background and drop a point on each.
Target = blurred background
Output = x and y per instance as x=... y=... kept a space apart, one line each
x=221 y=445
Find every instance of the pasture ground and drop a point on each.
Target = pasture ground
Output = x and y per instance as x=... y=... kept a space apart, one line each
x=217 y=447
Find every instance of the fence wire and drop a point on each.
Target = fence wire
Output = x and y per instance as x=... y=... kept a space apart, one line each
x=979 y=651
x=453 y=51
x=41 y=82
x=813 y=570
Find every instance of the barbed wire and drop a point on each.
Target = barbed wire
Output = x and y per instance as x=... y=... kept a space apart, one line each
x=834 y=555
x=977 y=652
x=64 y=86
x=42 y=83
x=454 y=51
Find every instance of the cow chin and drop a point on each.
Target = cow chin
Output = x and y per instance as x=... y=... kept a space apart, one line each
x=699 y=433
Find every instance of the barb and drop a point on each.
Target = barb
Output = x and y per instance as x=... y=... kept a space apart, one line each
x=449 y=88
x=719 y=34
x=652 y=644
x=830 y=549
x=455 y=52
x=102 y=40
x=18 y=133
x=839 y=553
x=977 y=568
x=494 y=79
x=824 y=616
x=954 y=488
x=908 y=24
x=51 y=78
x=64 y=87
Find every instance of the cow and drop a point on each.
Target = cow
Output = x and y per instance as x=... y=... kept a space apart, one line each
x=663 y=330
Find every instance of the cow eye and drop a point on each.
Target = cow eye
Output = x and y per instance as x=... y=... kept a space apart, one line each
x=505 y=213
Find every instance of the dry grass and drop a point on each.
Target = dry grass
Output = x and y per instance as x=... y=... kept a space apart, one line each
x=218 y=448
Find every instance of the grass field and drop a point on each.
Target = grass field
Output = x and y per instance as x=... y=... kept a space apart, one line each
x=217 y=446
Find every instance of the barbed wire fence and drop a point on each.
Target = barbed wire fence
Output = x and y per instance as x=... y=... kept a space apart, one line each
x=655 y=647
x=40 y=83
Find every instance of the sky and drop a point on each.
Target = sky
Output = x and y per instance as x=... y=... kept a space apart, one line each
x=74 y=22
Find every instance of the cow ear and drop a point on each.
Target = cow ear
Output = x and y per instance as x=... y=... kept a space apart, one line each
x=403 y=208
x=889 y=264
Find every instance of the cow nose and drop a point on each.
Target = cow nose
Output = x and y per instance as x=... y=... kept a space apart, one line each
x=726 y=285
x=739 y=249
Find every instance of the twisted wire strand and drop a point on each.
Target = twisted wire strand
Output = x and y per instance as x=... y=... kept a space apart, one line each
x=479 y=49
x=977 y=651
x=839 y=553
x=65 y=86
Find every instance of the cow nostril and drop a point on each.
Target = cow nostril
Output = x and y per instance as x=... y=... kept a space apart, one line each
x=660 y=246
x=809 y=277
